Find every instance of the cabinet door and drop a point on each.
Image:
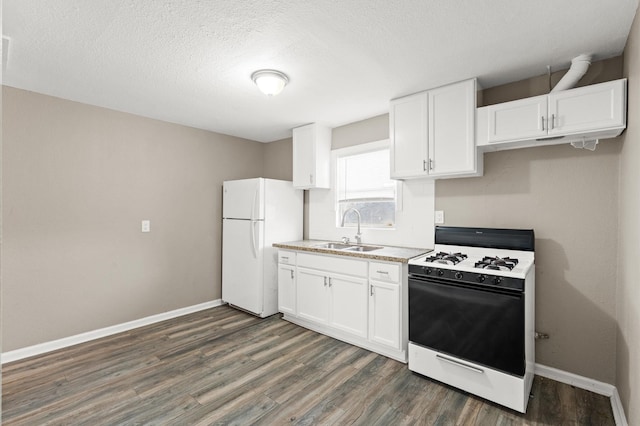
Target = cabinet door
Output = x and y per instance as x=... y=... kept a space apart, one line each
x=384 y=313
x=348 y=304
x=408 y=132
x=517 y=120
x=312 y=295
x=286 y=289
x=451 y=126
x=303 y=157
x=311 y=156
x=596 y=107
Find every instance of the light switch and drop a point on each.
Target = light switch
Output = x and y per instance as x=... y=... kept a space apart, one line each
x=439 y=218
x=146 y=226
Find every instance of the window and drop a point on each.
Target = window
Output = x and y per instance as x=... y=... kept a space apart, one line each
x=363 y=182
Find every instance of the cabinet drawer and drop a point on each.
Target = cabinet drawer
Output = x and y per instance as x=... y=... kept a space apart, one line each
x=334 y=264
x=287 y=257
x=384 y=272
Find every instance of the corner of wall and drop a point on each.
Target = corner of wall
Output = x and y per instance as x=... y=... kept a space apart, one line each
x=627 y=291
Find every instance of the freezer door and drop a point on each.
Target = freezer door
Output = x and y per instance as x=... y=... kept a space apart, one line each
x=242 y=264
x=243 y=199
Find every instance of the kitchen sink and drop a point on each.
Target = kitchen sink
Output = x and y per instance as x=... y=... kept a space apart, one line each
x=347 y=247
x=363 y=248
x=334 y=246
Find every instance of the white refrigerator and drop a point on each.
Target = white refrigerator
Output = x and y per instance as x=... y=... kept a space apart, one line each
x=255 y=214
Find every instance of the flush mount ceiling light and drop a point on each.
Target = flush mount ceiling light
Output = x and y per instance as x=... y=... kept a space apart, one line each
x=270 y=82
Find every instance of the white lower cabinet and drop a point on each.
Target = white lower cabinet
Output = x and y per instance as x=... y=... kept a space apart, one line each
x=313 y=297
x=287 y=289
x=336 y=300
x=287 y=281
x=384 y=313
x=358 y=301
x=348 y=304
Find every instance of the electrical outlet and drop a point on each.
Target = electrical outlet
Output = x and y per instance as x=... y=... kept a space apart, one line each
x=439 y=217
x=146 y=226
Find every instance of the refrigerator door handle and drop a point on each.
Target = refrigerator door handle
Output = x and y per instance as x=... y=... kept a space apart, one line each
x=253 y=204
x=253 y=239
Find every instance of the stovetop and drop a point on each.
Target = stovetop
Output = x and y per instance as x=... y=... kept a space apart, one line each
x=489 y=261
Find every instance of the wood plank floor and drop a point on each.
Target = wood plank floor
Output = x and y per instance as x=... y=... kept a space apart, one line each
x=222 y=366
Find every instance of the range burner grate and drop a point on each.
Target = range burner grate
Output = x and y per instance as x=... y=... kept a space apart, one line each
x=497 y=263
x=446 y=258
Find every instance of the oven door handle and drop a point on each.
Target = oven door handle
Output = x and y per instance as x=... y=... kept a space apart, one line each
x=460 y=364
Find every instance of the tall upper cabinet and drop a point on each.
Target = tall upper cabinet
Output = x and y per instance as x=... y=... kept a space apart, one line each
x=311 y=156
x=433 y=133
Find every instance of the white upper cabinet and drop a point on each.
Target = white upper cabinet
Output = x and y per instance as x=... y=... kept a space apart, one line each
x=433 y=133
x=589 y=112
x=521 y=119
x=452 y=112
x=600 y=106
x=311 y=156
x=408 y=133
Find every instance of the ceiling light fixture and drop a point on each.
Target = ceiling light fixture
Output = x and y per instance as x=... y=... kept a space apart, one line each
x=270 y=82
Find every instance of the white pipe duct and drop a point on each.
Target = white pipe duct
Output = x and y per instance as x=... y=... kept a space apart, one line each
x=579 y=66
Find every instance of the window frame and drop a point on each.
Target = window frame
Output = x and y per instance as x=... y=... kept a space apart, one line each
x=357 y=150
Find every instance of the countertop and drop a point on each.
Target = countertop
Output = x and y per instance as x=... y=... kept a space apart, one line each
x=386 y=253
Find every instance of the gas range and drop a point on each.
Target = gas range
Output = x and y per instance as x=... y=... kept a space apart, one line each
x=473 y=264
x=471 y=312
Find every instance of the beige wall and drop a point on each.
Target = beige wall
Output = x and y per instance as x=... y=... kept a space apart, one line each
x=77 y=181
x=628 y=296
x=278 y=159
x=606 y=70
x=569 y=197
x=369 y=130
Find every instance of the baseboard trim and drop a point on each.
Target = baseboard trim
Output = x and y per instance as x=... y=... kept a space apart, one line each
x=618 y=409
x=587 y=384
x=53 y=345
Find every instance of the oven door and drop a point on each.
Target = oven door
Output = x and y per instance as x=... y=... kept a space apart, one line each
x=484 y=326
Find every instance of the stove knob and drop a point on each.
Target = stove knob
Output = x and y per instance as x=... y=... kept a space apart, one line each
x=440 y=272
x=497 y=280
x=481 y=278
x=458 y=275
x=428 y=271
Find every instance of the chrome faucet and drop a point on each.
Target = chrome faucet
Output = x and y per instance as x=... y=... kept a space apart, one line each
x=358 y=235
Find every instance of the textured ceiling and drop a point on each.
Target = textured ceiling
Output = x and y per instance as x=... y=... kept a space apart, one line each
x=190 y=61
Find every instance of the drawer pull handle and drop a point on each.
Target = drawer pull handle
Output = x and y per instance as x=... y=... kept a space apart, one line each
x=284 y=258
x=460 y=364
x=382 y=272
